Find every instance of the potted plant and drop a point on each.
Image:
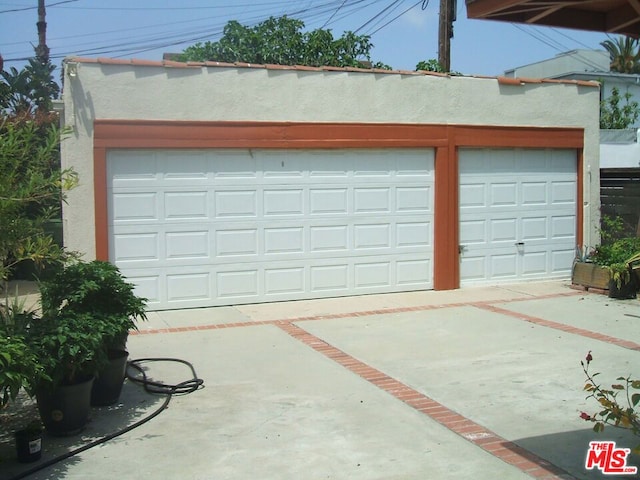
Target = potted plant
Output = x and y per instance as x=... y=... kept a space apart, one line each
x=617 y=257
x=622 y=284
x=587 y=273
x=98 y=290
x=69 y=346
x=29 y=442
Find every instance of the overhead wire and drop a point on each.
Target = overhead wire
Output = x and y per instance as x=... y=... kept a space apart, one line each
x=155 y=40
x=397 y=17
x=554 y=44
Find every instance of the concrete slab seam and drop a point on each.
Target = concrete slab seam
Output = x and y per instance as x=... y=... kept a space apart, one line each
x=505 y=450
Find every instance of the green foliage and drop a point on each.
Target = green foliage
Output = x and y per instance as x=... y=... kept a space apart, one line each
x=18 y=363
x=618 y=412
x=611 y=229
x=69 y=347
x=431 y=65
x=32 y=188
x=624 y=55
x=31 y=89
x=281 y=41
x=618 y=252
x=614 y=115
x=96 y=289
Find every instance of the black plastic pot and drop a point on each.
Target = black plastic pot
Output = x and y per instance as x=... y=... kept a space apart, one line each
x=65 y=409
x=626 y=291
x=108 y=384
x=28 y=445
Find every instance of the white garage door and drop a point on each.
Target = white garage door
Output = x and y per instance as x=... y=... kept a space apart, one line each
x=223 y=227
x=517 y=214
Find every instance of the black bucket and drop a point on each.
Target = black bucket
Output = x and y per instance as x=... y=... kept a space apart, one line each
x=28 y=445
x=108 y=385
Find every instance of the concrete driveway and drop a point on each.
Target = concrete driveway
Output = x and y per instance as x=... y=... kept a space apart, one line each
x=478 y=383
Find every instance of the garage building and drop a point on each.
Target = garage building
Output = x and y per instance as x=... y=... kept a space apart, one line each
x=215 y=184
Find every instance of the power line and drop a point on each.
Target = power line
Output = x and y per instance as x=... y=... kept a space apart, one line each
x=184 y=36
x=35 y=8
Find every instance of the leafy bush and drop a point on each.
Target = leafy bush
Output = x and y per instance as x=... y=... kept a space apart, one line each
x=97 y=289
x=18 y=363
x=619 y=251
x=68 y=346
x=621 y=413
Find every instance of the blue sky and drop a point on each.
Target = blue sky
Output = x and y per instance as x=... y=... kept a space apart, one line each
x=147 y=28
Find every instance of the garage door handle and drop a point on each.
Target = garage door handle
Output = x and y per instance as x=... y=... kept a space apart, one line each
x=519 y=244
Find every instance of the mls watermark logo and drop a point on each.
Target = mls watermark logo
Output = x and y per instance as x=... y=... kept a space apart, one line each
x=609 y=459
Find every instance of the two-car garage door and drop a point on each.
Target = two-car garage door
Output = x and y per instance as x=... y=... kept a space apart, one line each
x=213 y=227
x=221 y=227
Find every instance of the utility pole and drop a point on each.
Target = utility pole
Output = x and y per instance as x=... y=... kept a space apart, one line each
x=42 y=51
x=445 y=32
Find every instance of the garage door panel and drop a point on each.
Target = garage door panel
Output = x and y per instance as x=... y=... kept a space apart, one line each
x=136 y=246
x=413 y=199
x=333 y=238
x=534 y=262
x=279 y=240
x=187 y=245
x=186 y=205
x=534 y=193
x=285 y=280
x=283 y=202
x=234 y=242
x=328 y=201
x=414 y=272
x=220 y=227
x=372 y=199
x=237 y=284
x=563 y=192
x=368 y=236
x=178 y=167
x=503 y=194
x=503 y=266
x=560 y=259
x=132 y=169
x=517 y=212
x=135 y=207
x=414 y=235
x=503 y=230
x=372 y=274
x=472 y=195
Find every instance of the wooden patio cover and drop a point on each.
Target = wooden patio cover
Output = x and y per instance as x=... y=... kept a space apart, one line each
x=613 y=16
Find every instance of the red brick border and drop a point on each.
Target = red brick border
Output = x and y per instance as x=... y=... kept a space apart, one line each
x=505 y=450
x=559 y=326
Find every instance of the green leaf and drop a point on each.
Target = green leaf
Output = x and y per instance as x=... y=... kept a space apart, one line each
x=617 y=387
x=636 y=384
x=635 y=399
x=598 y=427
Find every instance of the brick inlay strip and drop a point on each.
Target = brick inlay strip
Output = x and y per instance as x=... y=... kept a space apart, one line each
x=505 y=450
x=559 y=326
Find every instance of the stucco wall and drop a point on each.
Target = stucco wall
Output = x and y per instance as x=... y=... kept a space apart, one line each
x=116 y=91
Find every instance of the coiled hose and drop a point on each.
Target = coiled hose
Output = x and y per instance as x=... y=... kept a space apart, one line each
x=150 y=386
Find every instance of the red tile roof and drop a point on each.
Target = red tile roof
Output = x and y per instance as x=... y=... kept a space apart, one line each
x=209 y=64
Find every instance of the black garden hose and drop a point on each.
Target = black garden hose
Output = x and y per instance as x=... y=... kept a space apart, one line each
x=181 y=388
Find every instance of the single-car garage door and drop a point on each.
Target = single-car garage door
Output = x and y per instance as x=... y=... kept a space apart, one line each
x=222 y=227
x=517 y=214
